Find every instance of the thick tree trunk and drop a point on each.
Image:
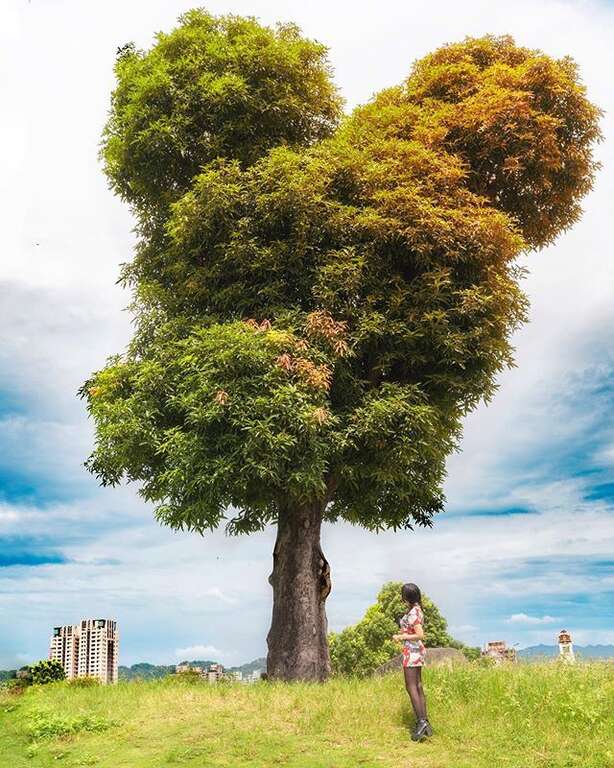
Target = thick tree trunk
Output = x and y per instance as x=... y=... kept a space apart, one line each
x=298 y=648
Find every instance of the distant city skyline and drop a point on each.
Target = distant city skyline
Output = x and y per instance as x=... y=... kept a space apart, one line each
x=526 y=545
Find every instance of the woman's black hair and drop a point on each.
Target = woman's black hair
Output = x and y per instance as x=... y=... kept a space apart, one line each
x=411 y=593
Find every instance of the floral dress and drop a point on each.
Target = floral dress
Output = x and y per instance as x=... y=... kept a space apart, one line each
x=413 y=650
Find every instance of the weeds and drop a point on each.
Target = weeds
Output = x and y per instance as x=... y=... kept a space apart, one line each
x=48 y=725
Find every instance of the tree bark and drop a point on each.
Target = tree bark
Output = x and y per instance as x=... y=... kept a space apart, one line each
x=298 y=647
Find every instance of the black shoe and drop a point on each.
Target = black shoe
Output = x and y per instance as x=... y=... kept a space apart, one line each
x=423 y=728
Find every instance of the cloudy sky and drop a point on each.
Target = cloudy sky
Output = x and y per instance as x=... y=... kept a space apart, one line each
x=526 y=546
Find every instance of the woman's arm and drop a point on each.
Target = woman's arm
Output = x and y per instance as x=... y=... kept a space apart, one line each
x=418 y=634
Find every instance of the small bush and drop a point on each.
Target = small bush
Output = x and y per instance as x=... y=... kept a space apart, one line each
x=187 y=678
x=47 y=671
x=471 y=653
x=47 y=725
x=17 y=686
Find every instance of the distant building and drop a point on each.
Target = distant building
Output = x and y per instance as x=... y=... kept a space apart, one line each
x=215 y=672
x=499 y=652
x=566 y=653
x=64 y=647
x=87 y=649
x=211 y=674
x=253 y=676
x=181 y=669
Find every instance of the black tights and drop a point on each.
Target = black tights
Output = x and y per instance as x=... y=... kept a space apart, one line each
x=413 y=684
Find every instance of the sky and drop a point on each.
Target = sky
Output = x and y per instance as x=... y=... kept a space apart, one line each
x=526 y=544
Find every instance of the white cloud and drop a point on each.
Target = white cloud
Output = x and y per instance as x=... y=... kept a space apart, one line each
x=198 y=652
x=605 y=456
x=464 y=628
x=221 y=595
x=523 y=618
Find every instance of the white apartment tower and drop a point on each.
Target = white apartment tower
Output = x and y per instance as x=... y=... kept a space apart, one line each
x=87 y=649
x=64 y=647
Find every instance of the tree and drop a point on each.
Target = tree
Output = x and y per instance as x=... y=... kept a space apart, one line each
x=319 y=304
x=46 y=671
x=363 y=647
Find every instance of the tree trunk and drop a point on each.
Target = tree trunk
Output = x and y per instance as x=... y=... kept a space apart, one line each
x=298 y=648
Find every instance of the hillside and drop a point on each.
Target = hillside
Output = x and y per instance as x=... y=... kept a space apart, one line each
x=146 y=671
x=520 y=716
x=151 y=671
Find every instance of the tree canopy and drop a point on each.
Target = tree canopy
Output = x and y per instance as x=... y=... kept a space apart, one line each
x=319 y=303
x=214 y=87
x=46 y=671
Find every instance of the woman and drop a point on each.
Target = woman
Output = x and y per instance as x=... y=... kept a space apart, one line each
x=412 y=634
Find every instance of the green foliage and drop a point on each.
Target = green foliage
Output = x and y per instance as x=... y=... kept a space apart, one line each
x=16 y=686
x=519 y=120
x=317 y=313
x=145 y=671
x=51 y=725
x=361 y=648
x=213 y=87
x=471 y=653
x=188 y=678
x=47 y=671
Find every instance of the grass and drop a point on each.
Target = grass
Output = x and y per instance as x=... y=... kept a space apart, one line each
x=525 y=716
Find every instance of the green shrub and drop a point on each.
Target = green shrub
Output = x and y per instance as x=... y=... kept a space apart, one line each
x=187 y=678
x=16 y=686
x=48 y=725
x=471 y=653
x=47 y=671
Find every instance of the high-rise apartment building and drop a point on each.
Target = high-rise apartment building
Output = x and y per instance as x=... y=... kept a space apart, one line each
x=64 y=647
x=87 y=649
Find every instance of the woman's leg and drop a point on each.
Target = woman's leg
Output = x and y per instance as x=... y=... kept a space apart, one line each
x=421 y=692
x=413 y=686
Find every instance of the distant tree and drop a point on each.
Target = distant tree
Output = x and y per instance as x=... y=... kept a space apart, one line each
x=471 y=652
x=46 y=671
x=318 y=306
x=362 y=647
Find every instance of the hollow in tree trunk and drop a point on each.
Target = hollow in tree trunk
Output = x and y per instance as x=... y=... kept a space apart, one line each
x=298 y=648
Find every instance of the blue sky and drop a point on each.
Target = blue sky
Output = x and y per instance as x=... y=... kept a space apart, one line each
x=526 y=545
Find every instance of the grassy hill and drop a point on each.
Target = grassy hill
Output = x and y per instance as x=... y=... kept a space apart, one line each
x=523 y=716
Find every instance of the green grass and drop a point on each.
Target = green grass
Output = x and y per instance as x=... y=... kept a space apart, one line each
x=527 y=716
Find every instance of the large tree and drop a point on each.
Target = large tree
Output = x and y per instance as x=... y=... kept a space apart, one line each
x=320 y=301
